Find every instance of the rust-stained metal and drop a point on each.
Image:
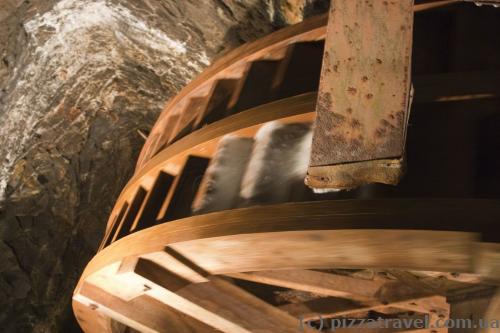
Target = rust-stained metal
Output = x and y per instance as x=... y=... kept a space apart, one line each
x=363 y=101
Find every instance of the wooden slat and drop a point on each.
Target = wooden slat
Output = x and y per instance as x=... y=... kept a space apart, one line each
x=186 y=187
x=218 y=101
x=143 y=313
x=325 y=249
x=256 y=86
x=333 y=308
x=185 y=125
x=130 y=214
x=216 y=303
x=112 y=231
x=363 y=98
x=379 y=215
x=326 y=307
x=146 y=216
x=317 y=282
x=299 y=72
x=91 y=321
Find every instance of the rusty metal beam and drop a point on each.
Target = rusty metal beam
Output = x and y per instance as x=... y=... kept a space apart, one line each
x=364 y=95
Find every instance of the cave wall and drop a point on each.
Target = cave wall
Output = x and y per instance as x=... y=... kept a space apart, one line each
x=78 y=80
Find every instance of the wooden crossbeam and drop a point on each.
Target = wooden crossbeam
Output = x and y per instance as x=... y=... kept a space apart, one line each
x=90 y=320
x=317 y=282
x=330 y=308
x=216 y=303
x=330 y=248
x=142 y=313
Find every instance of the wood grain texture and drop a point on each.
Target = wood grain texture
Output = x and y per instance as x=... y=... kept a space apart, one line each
x=364 y=92
x=402 y=214
x=316 y=282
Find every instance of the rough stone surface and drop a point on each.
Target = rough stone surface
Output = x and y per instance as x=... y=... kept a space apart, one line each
x=78 y=79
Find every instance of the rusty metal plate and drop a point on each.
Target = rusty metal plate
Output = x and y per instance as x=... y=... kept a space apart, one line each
x=364 y=94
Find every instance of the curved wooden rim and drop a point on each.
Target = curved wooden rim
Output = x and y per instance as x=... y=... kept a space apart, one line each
x=400 y=214
x=309 y=30
x=409 y=234
x=281 y=109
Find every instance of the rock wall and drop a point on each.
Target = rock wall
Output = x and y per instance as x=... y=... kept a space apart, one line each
x=78 y=80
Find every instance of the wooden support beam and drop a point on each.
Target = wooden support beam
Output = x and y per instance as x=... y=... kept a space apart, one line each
x=326 y=248
x=317 y=282
x=90 y=320
x=492 y=316
x=216 y=303
x=364 y=95
x=142 y=313
x=332 y=308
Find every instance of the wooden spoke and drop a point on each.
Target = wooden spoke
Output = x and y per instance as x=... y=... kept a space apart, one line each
x=317 y=282
x=216 y=303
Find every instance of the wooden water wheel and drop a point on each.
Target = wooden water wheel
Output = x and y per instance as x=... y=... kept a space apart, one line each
x=217 y=232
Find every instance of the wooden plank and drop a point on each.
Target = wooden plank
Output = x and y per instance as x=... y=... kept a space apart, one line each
x=151 y=206
x=255 y=87
x=333 y=308
x=216 y=303
x=218 y=101
x=299 y=72
x=186 y=121
x=248 y=311
x=110 y=232
x=379 y=215
x=326 y=307
x=317 y=282
x=186 y=187
x=131 y=214
x=142 y=313
x=119 y=221
x=326 y=249
x=364 y=94
x=91 y=321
